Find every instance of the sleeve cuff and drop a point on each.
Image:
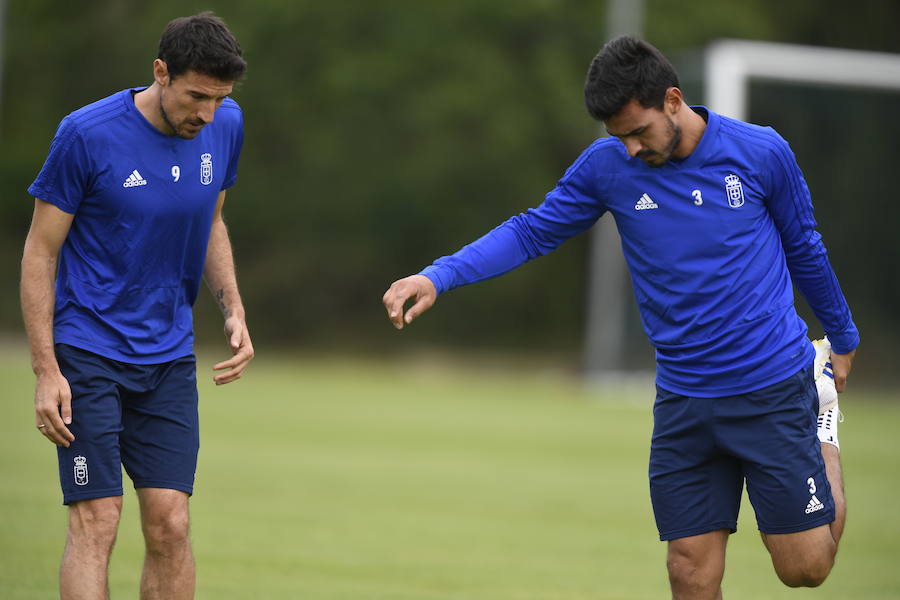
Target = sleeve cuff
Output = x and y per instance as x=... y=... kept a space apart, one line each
x=432 y=272
x=44 y=196
x=845 y=341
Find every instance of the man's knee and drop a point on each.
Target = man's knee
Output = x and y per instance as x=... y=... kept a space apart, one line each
x=166 y=530
x=802 y=559
x=164 y=519
x=807 y=573
x=689 y=571
x=696 y=565
x=94 y=522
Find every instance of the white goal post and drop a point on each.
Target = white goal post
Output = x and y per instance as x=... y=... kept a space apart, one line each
x=731 y=64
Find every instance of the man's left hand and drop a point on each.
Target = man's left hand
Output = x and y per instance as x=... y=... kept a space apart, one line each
x=840 y=365
x=242 y=348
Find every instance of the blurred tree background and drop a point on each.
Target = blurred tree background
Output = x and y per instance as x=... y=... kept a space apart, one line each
x=382 y=134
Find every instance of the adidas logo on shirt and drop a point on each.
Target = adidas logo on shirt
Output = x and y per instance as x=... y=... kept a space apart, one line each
x=134 y=180
x=645 y=202
x=814 y=505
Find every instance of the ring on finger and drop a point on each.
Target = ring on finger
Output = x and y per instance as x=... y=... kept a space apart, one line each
x=41 y=426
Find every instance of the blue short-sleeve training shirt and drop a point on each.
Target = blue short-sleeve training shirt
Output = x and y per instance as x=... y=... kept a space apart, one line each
x=130 y=268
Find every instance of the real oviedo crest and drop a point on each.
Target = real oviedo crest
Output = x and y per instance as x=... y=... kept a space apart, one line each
x=734 y=191
x=81 y=472
x=206 y=168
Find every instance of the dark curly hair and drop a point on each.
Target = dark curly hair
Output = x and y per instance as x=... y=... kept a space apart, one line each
x=204 y=44
x=627 y=68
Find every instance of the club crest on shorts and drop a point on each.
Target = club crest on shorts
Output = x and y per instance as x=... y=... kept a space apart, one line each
x=206 y=168
x=734 y=191
x=81 y=472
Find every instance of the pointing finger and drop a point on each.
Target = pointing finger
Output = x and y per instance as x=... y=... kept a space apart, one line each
x=394 y=305
x=423 y=304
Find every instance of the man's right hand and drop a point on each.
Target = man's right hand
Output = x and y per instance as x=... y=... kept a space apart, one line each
x=414 y=287
x=53 y=408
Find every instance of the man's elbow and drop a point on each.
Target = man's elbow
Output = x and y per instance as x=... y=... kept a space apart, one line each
x=37 y=258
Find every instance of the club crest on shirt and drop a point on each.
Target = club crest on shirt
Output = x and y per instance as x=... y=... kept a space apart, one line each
x=81 y=472
x=734 y=191
x=206 y=176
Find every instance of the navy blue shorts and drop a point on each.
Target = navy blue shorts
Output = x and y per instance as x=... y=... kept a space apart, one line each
x=142 y=417
x=704 y=448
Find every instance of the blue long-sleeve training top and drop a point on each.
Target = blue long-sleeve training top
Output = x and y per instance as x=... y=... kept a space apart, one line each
x=712 y=242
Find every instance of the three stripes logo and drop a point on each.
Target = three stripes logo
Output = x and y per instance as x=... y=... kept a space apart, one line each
x=134 y=180
x=814 y=505
x=645 y=202
x=827 y=370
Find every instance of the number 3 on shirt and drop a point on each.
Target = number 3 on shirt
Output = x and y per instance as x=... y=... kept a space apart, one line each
x=176 y=172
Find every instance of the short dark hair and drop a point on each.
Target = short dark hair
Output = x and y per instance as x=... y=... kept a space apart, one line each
x=204 y=44
x=627 y=68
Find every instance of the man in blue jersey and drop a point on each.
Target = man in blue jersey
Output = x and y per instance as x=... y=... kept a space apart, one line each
x=128 y=216
x=716 y=223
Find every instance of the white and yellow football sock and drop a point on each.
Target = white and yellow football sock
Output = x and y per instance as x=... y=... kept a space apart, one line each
x=827 y=426
x=824 y=376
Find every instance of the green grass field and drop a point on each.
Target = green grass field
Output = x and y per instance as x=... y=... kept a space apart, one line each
x=327 y=479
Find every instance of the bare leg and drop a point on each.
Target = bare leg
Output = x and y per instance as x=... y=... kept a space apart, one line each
x=92 y=532
x=696 y=566
x=836 y=480
x=805 y=558
x=169 y=564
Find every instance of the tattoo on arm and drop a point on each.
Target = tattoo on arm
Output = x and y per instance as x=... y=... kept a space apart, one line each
x=220 y=299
